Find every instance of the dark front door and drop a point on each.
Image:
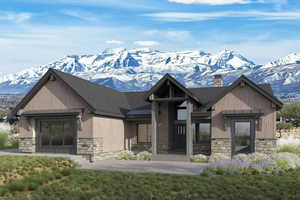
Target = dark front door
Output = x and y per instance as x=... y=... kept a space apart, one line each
x=179 y=136
x=243 y=136
x=56 y=135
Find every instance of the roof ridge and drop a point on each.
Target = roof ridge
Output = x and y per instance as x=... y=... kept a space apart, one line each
x=88 y=81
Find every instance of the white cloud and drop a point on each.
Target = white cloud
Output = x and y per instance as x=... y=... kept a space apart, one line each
x=252 y=14
x=15 y=17
x=211 y=2
x=80 y=15
x=172 y=35
x=113 y=42
x=35 y=45
x=146 y=43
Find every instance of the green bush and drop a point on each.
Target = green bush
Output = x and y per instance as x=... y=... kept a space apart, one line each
x=3 y=191
x=3 y=140
x=200 y=158
x=144 y=155
x=66 y=172
x=13 y=143
x=127 y=155
x=289 y=148
x=16 y=186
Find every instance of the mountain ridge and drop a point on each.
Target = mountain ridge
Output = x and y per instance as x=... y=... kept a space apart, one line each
x=139 y=69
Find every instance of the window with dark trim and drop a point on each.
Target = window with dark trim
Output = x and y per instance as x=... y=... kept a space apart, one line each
x=201 y=133
x=144 y=133
x=181 y=111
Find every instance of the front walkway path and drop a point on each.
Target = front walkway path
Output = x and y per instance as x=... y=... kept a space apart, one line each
x=168 y=167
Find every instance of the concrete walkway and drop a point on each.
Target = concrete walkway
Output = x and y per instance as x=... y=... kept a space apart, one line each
x=168 y=167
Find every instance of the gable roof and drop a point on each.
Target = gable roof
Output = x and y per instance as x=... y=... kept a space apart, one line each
x=168 y=77
x=265 y=90
x=101 y=100
x=209 y=94
x=108 y=102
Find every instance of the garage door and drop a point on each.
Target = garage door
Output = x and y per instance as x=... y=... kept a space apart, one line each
x=56 y=136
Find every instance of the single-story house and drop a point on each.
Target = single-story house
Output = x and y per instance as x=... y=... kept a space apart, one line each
x=66 y=114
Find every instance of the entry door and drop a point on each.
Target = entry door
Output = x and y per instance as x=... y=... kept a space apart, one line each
x=243 y=136
x=56 y=136
x=179 y=137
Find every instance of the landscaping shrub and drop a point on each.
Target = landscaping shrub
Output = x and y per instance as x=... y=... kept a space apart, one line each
x=288 y=144
x=200 y=158
x=255 y=163
x=16 y=186
x=218 y=157
x=3 y=191
x=126 y=155
x=18 y=167
x=144 y=155
x=287 y=160
x=13 y=143
x=289 y=148
x=3 y=140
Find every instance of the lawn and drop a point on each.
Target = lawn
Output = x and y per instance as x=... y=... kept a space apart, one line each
x=87 y=184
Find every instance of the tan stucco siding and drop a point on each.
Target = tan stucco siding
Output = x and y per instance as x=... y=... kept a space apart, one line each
x=54 y=95
x=25 y=128
x=244 y=99
x=86 y=130
x=111 y=131
x=57 y=95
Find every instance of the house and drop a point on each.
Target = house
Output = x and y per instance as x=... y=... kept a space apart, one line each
x=66 y=114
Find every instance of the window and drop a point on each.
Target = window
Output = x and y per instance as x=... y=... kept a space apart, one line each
x=144 y=133
x=201 y=133
x=243 y=136
x=182 y=112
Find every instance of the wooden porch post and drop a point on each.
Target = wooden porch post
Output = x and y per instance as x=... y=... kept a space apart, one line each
x=154 y=126
x=189 y=132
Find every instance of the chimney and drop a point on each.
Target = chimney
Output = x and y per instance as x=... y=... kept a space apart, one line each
x=218 y=80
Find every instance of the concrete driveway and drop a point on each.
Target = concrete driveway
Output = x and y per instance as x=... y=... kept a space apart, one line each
x=168 y=167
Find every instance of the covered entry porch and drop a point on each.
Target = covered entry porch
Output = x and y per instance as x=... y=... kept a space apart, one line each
x=177 y=125
x=176 y=129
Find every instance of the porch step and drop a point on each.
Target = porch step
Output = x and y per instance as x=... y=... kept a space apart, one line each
x=170 y=157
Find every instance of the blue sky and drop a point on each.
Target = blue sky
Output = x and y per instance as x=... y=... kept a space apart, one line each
x=36 y=32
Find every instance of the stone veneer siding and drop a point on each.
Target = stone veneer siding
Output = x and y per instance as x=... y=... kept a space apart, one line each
x=90 y=148
x=221 y=146
x=27 y=145
x=267 y=146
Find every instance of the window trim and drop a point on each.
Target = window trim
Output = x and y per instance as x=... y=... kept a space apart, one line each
x=252 y=133
x=195 y=137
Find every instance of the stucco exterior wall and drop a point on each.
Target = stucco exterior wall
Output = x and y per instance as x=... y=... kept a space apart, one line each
x=244 y=99
x=111 y=131
x=55 y=95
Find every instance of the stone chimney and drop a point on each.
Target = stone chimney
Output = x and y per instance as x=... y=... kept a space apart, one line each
x=218 y=80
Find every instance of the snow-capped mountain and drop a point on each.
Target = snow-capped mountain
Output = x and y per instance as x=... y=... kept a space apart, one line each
x=139 y=69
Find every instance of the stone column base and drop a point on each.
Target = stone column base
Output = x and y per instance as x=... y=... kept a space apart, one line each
x=221 y=146
x=265 y=145
x=90 y=147
x=27 y=145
